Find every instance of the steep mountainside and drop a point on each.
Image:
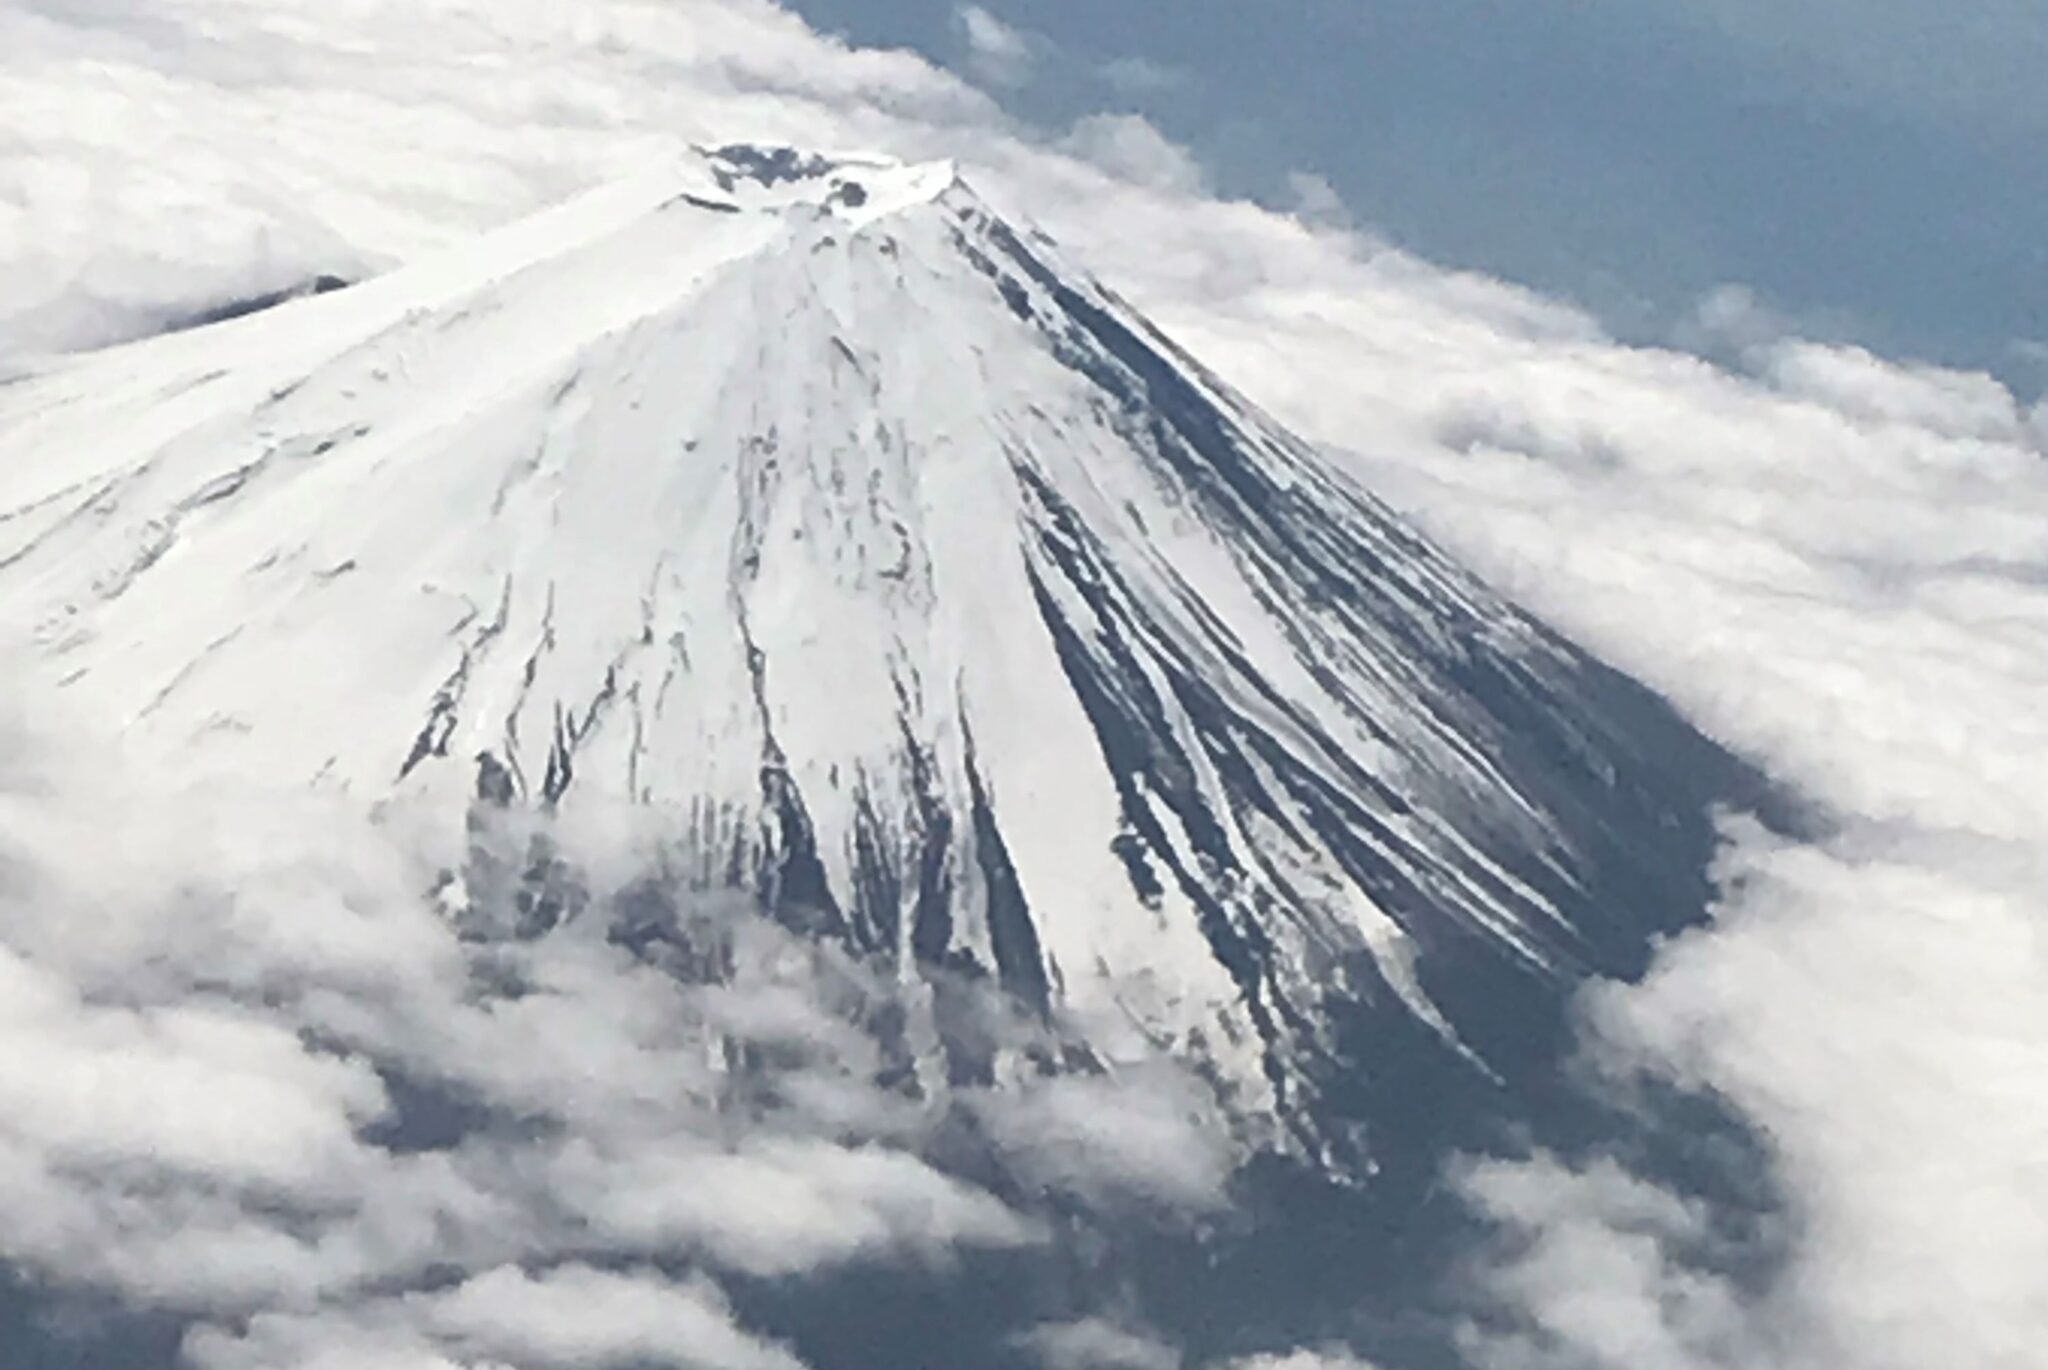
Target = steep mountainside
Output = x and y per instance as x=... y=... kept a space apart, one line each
x=922 y=586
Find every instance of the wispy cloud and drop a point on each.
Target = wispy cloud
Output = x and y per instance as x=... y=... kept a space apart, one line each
x=1097 y=1344
x=1303 y=1358
x=1132 y=148
x=996 y=52
x=1316 y=200
x=1136 y=76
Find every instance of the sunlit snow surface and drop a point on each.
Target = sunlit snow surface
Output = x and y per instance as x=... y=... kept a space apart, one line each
x=926 y=589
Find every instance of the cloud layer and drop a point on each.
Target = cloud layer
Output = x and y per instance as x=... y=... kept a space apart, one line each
x=1839 y=565
x=256 y=1078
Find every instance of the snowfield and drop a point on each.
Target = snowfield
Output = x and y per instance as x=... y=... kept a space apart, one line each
x=918 y=584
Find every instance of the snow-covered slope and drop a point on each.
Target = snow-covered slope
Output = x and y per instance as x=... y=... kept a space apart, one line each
x=919 y=583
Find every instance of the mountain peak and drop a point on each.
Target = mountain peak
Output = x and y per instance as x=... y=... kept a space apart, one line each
x=855 y=187
x=907 y=579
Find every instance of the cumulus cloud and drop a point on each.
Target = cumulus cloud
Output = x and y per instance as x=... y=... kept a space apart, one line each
x=1939 y=400
x=1835 y=563
x=1874 y=1006
x=1600 y=1270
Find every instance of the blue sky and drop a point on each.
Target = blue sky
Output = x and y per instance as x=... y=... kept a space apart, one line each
x=1870 y=168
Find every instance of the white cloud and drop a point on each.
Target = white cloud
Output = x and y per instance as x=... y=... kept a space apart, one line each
x=1852 y=381
x=1151 y=1134
x=1596 y=1261
x=1097 y=1344
x=576 y=1317
x=1316 y=200
x=1140 y=75
x=1840 y=568
x=1875 y=1005
x=173 y=1086
x=569 y=1318
x=1130 y=147
x=232 y=1041
x=997 y=53
x=158 y=159
x=778 y=1206
x=1733 y=317
x=1303 y=1358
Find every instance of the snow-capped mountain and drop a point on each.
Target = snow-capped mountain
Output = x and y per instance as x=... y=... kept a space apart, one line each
x=918 y=582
